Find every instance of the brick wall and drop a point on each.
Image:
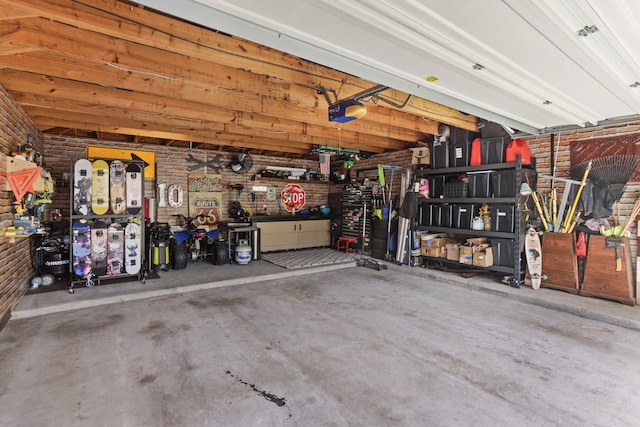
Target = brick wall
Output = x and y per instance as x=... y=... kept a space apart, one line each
x=15 y=268
x=172 y=169
x=60 y=153
x=541 y=149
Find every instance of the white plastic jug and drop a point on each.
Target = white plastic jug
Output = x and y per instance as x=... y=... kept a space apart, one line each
x=477 y=223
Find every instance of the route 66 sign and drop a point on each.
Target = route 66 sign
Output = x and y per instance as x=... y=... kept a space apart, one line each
x=292 y=197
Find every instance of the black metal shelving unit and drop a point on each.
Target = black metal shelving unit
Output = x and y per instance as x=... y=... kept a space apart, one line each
x=514 y=237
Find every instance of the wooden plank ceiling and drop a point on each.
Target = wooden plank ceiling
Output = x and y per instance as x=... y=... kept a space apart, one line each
x=115 y=70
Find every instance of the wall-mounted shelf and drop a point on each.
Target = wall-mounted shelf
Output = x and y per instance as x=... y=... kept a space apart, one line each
x=290 y=181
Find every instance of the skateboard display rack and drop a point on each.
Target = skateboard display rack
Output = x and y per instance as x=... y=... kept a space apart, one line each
x=106 y=221
x=442 y=214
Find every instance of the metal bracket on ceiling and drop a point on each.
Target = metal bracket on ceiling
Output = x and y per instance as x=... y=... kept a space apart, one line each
x=356 y=97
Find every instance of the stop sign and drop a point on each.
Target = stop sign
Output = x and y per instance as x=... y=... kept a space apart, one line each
x=293 y=197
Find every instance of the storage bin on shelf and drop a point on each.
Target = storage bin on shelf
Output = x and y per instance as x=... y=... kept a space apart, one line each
x=493 y=149
x=462 y=215
x=503 y=182
x=502 y=219
x=479 y=184
x=459 y=153
x=436 y=186
x=439 y=154
x=503 y=252
x=456 y=190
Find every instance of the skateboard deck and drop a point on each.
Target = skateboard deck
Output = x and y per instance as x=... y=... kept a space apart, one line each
x=134 y=188
x=533 y=250
x=117 y=181
x=115 y=249
x=81 y=248
x=132 y=248
x=99 y=248
x=100 y=197
x=82 y=187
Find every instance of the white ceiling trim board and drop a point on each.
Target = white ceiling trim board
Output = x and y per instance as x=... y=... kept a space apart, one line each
x=204 y=13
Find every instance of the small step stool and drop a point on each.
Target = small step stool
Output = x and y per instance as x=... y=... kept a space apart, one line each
x=347 y=243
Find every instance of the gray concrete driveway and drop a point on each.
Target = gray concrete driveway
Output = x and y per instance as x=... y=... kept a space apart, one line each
x=348 y=347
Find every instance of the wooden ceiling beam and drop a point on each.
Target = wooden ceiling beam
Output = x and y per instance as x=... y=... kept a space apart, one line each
x=71 y=96
x=8 y=11
x=298 y=105
x=177 y=137
x=75 y=115
x=143 y=26
x=56 y=118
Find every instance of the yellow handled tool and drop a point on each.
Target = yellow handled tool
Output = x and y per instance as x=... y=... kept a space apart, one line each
x=540 y=211
x=567 y=221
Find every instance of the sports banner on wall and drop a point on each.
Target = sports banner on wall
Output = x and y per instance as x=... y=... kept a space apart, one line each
x=205 y=198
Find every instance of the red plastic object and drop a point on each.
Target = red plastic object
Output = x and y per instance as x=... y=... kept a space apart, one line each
x=581 y=245
x=347 y=243
x=476 y=153
x=518 y=147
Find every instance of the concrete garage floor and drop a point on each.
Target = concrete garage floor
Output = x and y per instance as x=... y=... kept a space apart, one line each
x=346 y=345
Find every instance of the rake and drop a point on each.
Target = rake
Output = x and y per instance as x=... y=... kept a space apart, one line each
x=612 y=172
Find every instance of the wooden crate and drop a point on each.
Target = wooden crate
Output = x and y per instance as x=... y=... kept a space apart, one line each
x=601 y=278
x=559 y=262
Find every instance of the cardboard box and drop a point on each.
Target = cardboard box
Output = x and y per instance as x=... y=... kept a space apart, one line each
x=466 y=255
x=477 y=240
x=479 y=243
x=432 y=252
x=420 y=156
x=433 y=243
x=443 y=252
x=483 y=258
x=453 y=251
x=440 y=242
